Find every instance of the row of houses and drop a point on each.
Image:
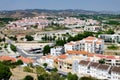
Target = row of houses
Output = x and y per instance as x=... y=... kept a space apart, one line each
x=100 y=71
x=25 y=61
x=85 y=64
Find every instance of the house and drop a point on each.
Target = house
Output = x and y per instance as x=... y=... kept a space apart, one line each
x=93 y=69
x=103 y=71
x=83 y=67
x=56 y=51
x=115 y=73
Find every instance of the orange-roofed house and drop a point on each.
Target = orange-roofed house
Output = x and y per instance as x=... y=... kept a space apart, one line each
x=25 y=60
x=7 y=58
x=89 y=44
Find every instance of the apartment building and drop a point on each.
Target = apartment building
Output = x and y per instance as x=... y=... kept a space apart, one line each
x=89 y=44
x=114 y=38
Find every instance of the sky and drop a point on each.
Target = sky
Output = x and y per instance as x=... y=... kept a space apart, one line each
x=94 y=5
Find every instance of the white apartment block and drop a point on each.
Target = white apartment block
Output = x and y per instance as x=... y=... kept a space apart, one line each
x=89 y=44
x=114 y=38
x=56 y=51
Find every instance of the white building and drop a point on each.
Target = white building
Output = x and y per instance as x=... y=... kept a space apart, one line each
x=114 y=38
x=93 y=69
x=92 y=28
x=56 y=51
x=49 y=59
x=83 y=67
x=89 y=44
x=115 y=73
x=103 y=71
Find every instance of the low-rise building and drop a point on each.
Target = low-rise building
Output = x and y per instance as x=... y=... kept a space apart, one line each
x=93 y=69
x=115 y=73
x=83 y=67
x=56 y=51
x=103 y=71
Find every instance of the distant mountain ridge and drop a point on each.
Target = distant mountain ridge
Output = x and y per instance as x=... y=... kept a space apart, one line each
x=38 y=12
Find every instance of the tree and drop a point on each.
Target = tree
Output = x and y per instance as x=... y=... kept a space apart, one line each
x=45 y=76
x=113 y=47
x=0 y=48
x=31 y=65
x=87 y=78
x=40 y=70
x=13 y=48
x=28 y=77
x=110 y=31
x=29 y=38
x=45 y=65
x=5 y=72
x=71 y=76
x=13 y=38
x=60 y=42
x=46 y=49
x=4 y=39
x=55 y=76
x=54 y=69
x=1 y=40
x=5 y=45
x=40 y=77
x=19 y=62
x=102 y=61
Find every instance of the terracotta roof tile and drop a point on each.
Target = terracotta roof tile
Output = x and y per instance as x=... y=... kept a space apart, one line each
x=64 y=56
x=94 y=64
x=116 y=69
x=77 y=52
x=103 y=67
x=7 y=58
x=85 y=63
x=110 y=57
x=26 y=60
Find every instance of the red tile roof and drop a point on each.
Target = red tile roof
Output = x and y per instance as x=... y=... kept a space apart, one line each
x=7 y=58
x=64 y=56
x=26 y=60
x=77 y=52
x=100 y=55
x=110 y=57
x=90 y=38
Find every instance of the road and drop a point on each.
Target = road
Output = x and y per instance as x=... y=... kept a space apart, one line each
x=22 y=52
